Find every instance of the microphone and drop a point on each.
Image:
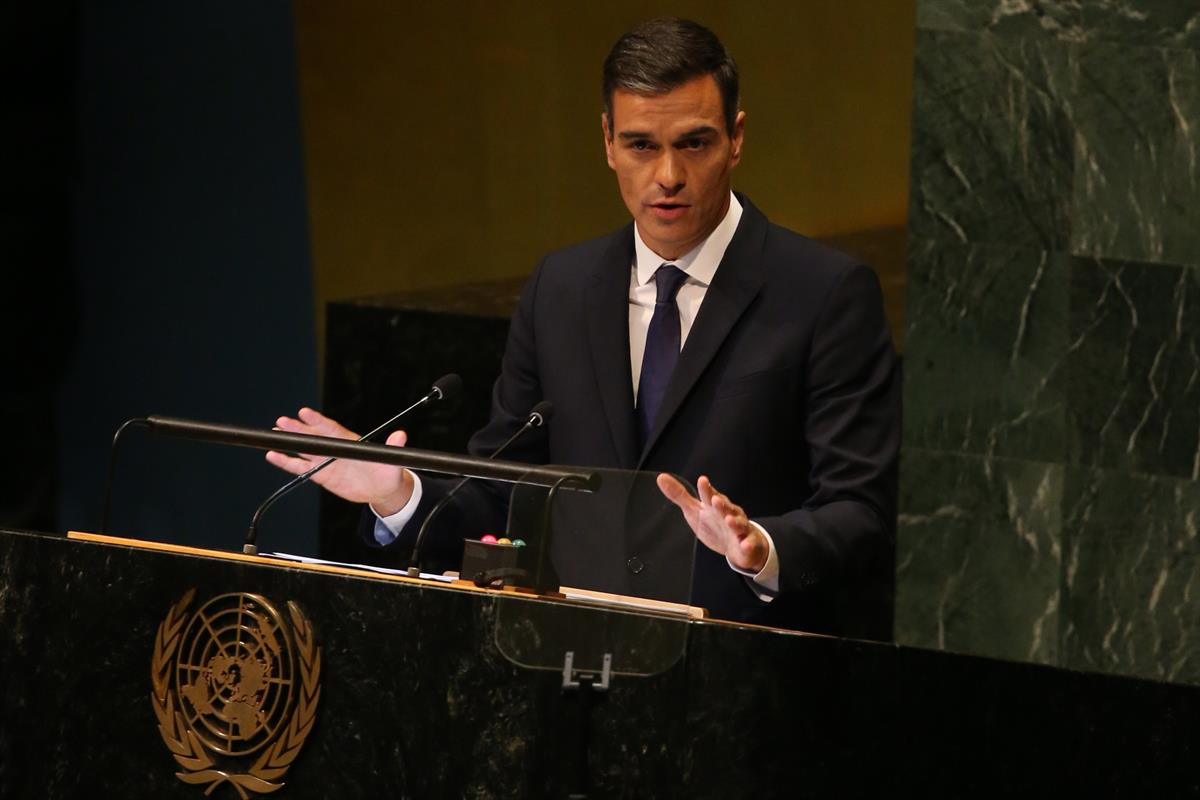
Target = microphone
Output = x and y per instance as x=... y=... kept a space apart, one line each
x=112 y=466
x=443 y=388
x=539 y=416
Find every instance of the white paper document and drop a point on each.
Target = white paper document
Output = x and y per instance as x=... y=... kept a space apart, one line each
x=369 y=567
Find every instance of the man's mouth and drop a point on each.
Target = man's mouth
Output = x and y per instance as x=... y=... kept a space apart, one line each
x=667 y=210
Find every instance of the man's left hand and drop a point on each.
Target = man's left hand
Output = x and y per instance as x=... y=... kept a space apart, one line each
x=718 y=523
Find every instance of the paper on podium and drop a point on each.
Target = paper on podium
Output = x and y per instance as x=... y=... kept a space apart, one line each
x=369 y=567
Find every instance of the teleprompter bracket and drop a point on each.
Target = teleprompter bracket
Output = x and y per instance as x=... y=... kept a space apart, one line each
x=574 y=678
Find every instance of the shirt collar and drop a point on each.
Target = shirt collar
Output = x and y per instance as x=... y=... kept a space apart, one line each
x=701 y=262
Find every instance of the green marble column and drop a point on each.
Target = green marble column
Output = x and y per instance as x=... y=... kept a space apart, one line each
x=1050 y=502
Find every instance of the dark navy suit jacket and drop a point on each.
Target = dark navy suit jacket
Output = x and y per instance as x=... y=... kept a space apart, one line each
x=786 y=395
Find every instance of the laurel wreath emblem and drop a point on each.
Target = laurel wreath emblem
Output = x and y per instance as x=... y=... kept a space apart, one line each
x=264 y=775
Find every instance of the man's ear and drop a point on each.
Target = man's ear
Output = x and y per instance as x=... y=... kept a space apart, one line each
x=608 y=140
x=737 y=137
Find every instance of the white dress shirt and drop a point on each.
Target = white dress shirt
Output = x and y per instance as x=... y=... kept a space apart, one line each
x=700 y=264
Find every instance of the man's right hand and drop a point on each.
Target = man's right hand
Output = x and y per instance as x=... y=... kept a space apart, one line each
x=386 y=487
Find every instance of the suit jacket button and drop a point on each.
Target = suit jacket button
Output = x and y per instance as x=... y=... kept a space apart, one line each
x=635 y=565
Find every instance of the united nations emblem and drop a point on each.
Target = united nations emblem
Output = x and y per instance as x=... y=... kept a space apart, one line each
x=235 y=690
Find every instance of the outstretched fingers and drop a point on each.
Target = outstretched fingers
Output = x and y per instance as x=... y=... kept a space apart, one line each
x=314 y=423
x=720 y=524
x=311 y=423
x=677 y=493
x=323 y=425
x=734 y=517
x=293 y=463
x=710 y=496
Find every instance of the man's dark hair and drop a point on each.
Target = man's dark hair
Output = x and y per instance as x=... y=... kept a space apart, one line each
x=662 y=54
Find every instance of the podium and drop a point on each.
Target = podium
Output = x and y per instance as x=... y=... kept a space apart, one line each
x=381 y=686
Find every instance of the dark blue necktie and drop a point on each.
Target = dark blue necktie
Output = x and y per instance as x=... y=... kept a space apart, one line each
x=662 y=348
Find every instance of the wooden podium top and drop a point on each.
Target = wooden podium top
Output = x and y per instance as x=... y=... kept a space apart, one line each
x=567 y=594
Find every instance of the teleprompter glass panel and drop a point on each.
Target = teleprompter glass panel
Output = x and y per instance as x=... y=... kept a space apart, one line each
x=615 y=566
x=535 y=633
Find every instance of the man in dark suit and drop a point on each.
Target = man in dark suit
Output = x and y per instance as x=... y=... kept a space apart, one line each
x=699 y=340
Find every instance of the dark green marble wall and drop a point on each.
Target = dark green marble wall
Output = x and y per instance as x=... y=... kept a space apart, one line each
x=1050 y=502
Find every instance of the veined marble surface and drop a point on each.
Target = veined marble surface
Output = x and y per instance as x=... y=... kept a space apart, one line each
x=1052 y=373
x=987 y=333
x=1156 y=23
x=419 y=697
x=1133 y=370
x=1137 y=153
x=1132 y=590
x=978 y=555
x=992 y=142
x=1002 y=17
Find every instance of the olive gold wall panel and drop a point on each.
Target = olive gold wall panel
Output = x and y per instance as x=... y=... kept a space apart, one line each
x=452 y=144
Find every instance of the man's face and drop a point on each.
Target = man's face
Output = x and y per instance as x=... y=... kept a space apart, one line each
x=673 y=157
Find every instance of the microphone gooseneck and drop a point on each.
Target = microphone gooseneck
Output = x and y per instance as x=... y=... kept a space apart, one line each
x=443 y=388
x=539 y=415
x=112 y=466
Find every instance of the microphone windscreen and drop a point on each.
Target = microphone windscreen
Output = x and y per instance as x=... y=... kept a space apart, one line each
x=448 y=386
x=543 y=411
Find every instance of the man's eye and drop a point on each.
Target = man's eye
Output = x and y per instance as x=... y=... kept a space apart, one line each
x=694 y=144
x=641 y=144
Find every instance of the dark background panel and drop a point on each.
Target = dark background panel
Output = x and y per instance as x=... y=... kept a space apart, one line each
x=160 y=258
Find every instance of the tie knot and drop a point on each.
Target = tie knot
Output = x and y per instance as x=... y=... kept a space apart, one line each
x=668 y=278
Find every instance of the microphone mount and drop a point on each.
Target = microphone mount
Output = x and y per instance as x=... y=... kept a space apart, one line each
x=539 y=415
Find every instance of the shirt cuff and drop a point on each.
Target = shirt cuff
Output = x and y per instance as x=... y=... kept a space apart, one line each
x=765 y=582
x=389 y=527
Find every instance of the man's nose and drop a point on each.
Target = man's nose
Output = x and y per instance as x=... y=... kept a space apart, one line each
x=670 y=174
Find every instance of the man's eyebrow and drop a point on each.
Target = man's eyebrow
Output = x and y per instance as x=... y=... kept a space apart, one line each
x=702 y=130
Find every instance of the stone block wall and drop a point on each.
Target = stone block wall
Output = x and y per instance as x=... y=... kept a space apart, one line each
x=1050 y=498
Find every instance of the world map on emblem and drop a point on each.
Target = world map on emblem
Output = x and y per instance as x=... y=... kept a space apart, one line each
x=234 y=673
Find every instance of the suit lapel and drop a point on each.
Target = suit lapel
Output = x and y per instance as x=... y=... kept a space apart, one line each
x=608 y=330
x=736 y=283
